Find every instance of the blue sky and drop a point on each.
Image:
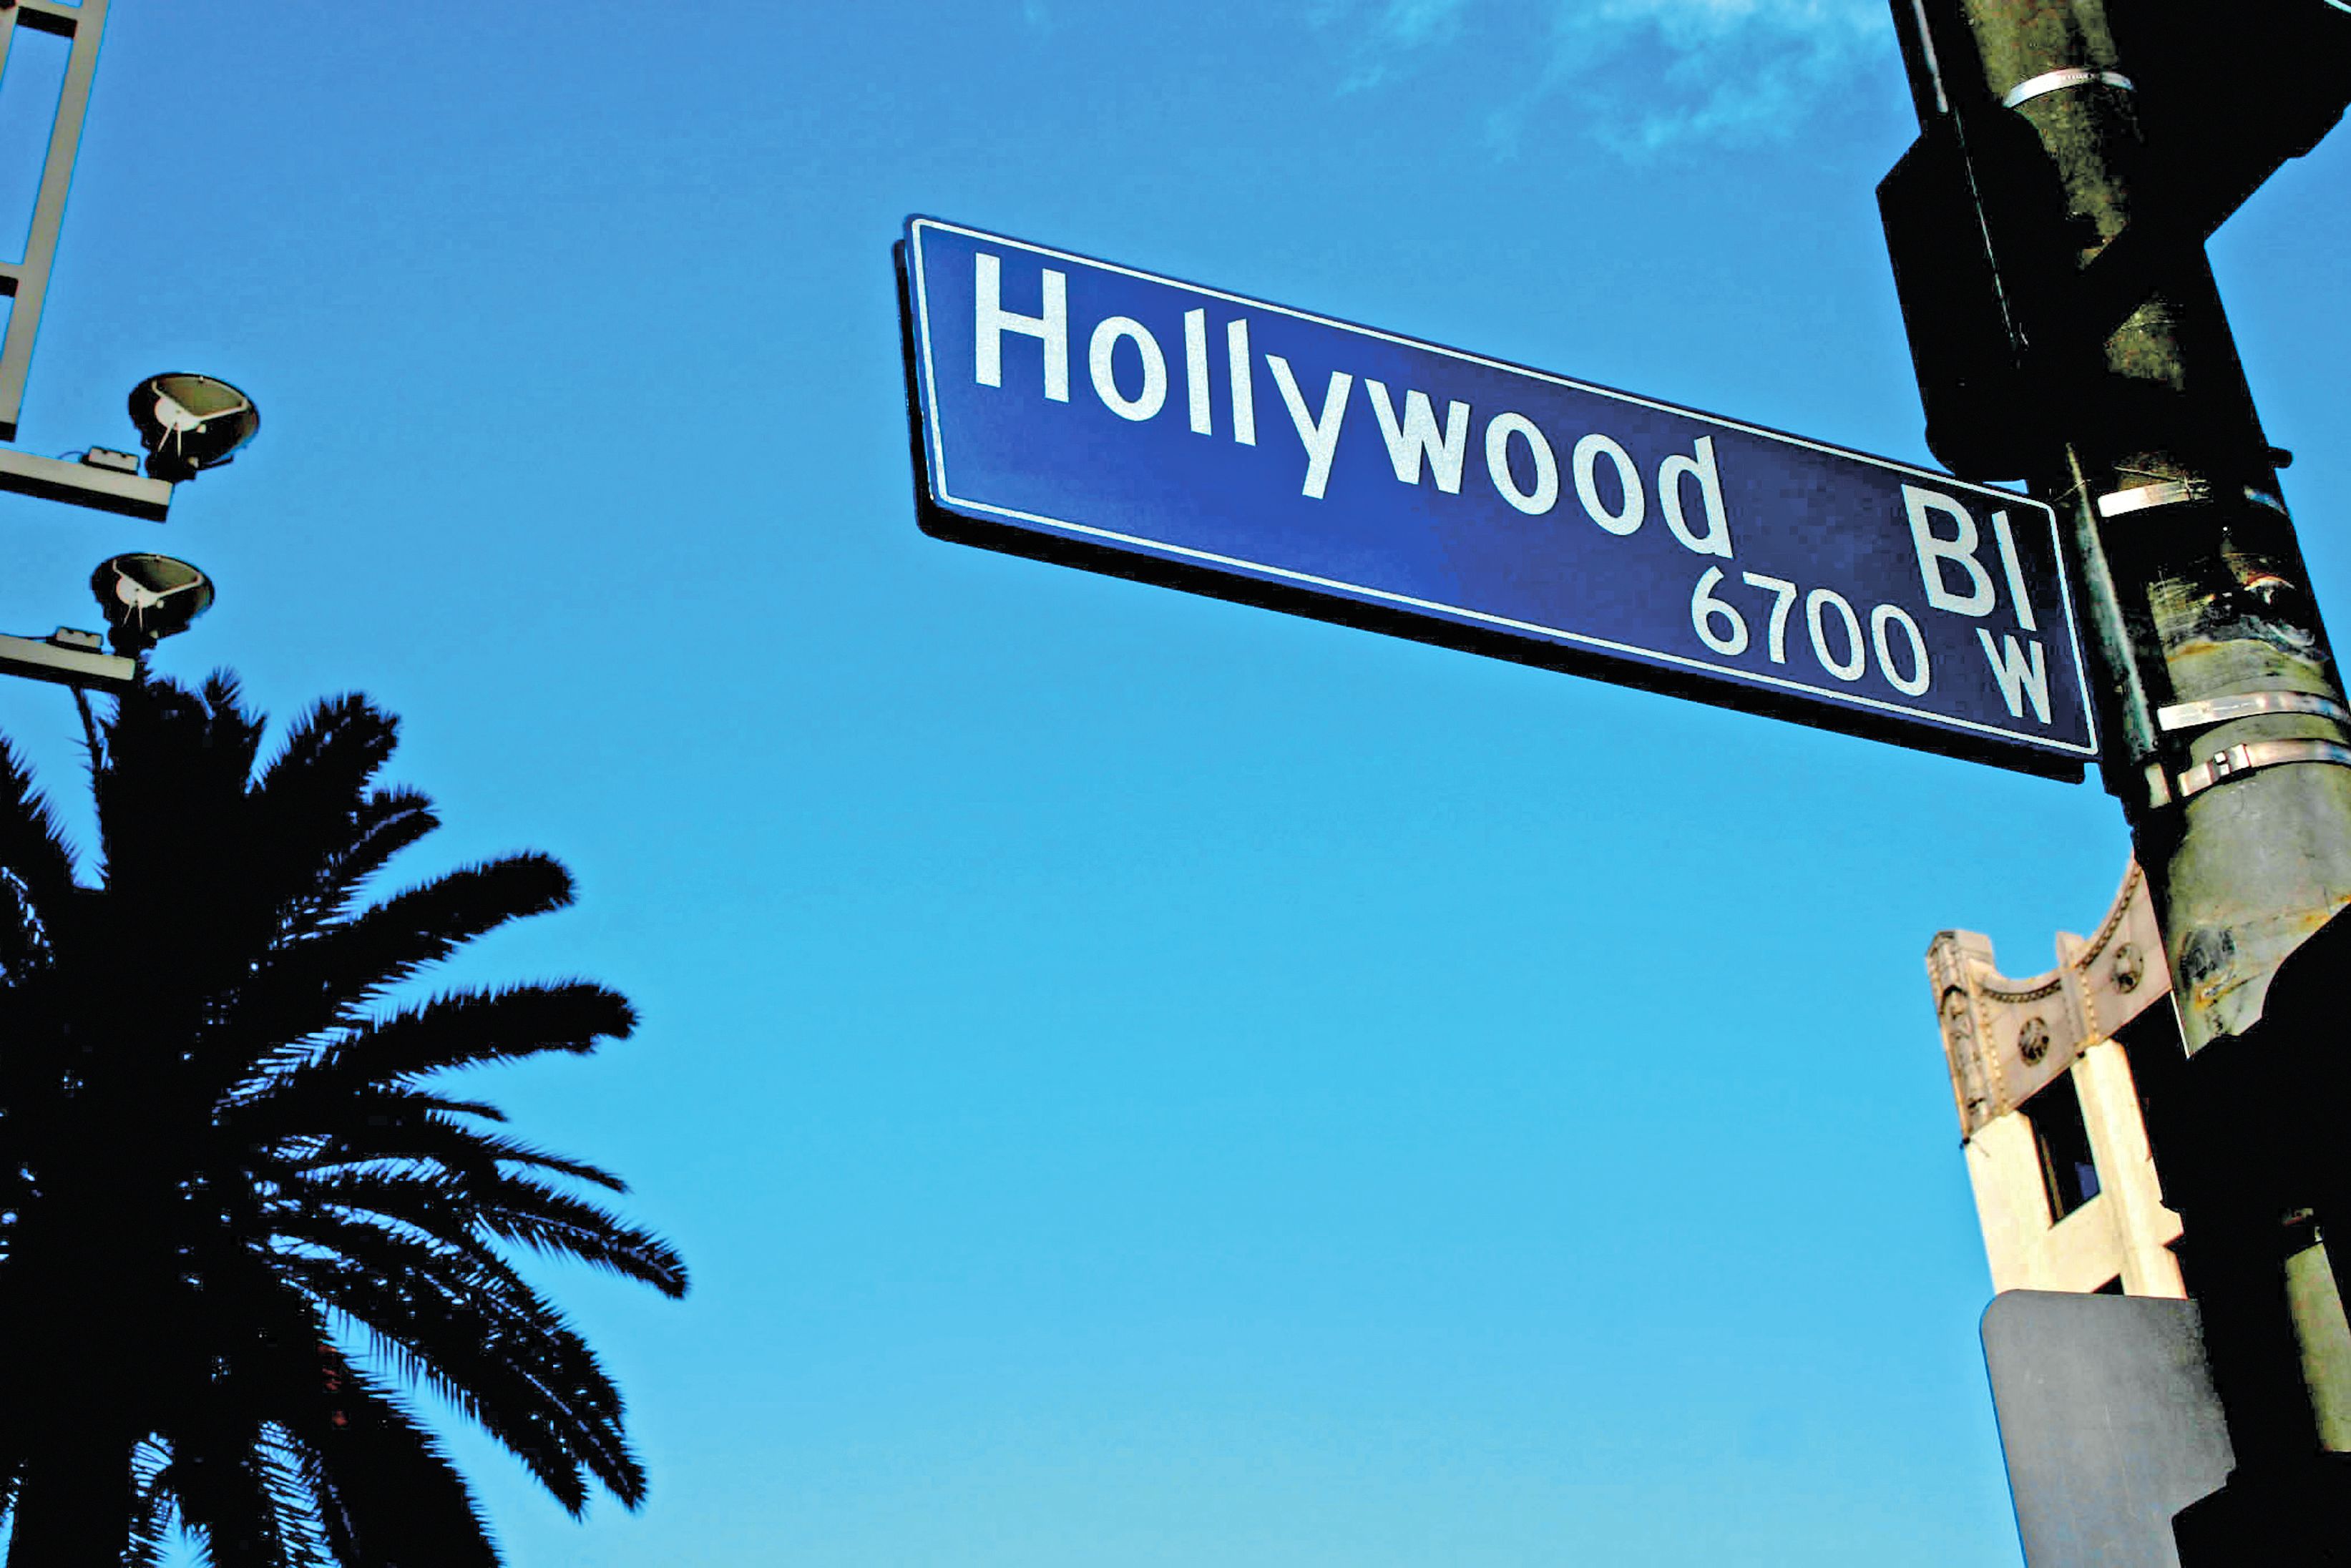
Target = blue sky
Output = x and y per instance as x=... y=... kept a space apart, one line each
x=1141 y=1081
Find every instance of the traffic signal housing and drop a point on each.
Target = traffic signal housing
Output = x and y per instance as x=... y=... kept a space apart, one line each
x=2226 y=94
x=1976 y=226
x=2000 y=305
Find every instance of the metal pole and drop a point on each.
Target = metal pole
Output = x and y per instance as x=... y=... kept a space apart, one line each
x=28 y=280
x=2226 y=736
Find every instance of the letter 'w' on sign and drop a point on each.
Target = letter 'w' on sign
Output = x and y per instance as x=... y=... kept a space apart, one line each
x=1425 y=492
x=2020 y=674
x=1416 y=438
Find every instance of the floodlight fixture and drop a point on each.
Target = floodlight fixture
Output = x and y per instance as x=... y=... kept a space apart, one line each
x=189 y=422
x=146 y=598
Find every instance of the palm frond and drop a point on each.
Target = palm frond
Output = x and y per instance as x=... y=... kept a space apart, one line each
x=314 y=797
x=460 y=1208
x=330 y=978
x=383 y=1490
x=277 y=1171
x=405 y=1127
x=384 y=823
x=154 y=1510
x=36 y=877
x=240 y=1490
x=499 y=1352
x=330 y=754
x=431 y=1139
x=545 y=1220
x=468 y=1028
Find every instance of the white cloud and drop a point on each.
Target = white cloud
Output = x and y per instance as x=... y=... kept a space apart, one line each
x=1393 y=30
x=1641 y=75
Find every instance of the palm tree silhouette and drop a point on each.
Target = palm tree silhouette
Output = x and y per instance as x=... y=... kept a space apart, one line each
x=240 y=1220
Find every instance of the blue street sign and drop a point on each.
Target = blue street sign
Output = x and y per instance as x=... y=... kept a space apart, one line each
x=1103 y=417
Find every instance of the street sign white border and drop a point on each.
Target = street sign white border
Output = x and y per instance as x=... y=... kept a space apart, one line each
x=936 y=456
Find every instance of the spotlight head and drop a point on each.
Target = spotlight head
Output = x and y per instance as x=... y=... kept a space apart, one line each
x=189 y=422
x=146 y=598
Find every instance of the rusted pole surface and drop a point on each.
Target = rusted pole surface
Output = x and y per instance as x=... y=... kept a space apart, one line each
x=2225 y=734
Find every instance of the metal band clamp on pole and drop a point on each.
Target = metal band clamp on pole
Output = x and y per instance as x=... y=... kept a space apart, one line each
x=2173 y=492
x=2211 y=711
x=2258 y=754
x=2058 y=80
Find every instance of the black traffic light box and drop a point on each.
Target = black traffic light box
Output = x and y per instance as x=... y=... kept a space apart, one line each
x=2226 y=93
x=1975 y=224
x=1976 y=219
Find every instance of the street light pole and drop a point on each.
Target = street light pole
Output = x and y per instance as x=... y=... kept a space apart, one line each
x=2225 y=732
